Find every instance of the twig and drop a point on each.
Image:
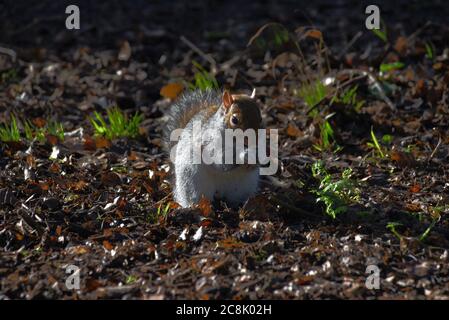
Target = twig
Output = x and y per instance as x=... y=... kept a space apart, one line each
x=333 y=94
x=417 y=32
x=207 y=57
x=350 y=44
x=435 y=150
x=372 y=80
x=31 y=222
x=292 y=208
x=9 y=52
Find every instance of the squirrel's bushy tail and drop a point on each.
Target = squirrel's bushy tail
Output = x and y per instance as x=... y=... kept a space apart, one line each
x=189 y=104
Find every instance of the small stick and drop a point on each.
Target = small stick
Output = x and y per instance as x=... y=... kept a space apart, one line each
x=292 y=208
x=9 y=52
x=350 y=44
x=435 y=150
x=207 y=57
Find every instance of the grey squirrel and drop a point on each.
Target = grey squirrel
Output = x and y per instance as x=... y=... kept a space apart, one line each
x=216 y=111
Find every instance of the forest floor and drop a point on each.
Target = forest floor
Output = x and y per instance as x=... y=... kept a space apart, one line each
x=370 y=145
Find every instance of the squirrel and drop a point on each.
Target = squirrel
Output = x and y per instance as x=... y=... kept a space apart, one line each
x=216 y=111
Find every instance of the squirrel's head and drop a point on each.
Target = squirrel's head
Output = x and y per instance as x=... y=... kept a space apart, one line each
x=241 y=111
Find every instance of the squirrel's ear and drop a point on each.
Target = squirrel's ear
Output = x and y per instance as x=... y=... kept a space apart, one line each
x=253 y=94
x=227 y=99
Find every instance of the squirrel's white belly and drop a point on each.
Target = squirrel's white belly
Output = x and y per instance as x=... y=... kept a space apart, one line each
x=236 y=186
x=233 y=186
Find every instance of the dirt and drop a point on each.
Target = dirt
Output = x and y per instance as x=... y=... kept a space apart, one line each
x=96 y=206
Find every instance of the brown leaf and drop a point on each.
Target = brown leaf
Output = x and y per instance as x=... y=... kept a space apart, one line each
x=31 y=161
x=125 y=51
x=102 y=142
x=55 y=167
x=314 y=33
x=415 y=188
x=107 y=245
x=230 y=243
x=174 y=205
x=205 y=223
x=51 y=139
x=401 y=45
x=107 y=233
x=256 y=208
x=44 y=186
x=403 y=159
x=78 y=249
x=39 y=122
x=89 y=143
x=111 y=179
x=147 y=187
x=205 y=207
x=77 y=185
x=133 y=156
x=438 y=66
x=92 y=284
x=293 y=131
x=304 y=280
x=413 y=207
x=171 y=90
x=420 y=88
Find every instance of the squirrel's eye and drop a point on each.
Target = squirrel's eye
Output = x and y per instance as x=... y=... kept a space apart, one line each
x=234 y=120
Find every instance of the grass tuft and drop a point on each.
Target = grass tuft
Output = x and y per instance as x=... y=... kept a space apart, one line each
x=203 y=80
x=118 y=124
x=10 y=133
x=376 y=145
x=313 y=93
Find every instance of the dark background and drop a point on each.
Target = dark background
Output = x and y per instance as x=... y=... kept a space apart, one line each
x=103 y=23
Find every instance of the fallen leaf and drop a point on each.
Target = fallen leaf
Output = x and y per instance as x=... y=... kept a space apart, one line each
x=51 y=139
x=293 y=131
x=102 y=142
x=111 y=179
x=107 y=245
x=205 y=207
x=401 y=45
x=89 y=143
x=77 y=185
x=39 y=122
x=314 y=33
x=125 y=51
x=403 y=159
x=171 y=90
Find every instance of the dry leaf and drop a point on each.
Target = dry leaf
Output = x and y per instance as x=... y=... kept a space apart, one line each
x=401 y=45
x=293 y=131
x=171 y=90
x=107 y=245
x=314 y=33
x=205 y=207
x=77 y=185
x=89 y=143
x=102 y=142
x=125 y=51
x=110 y=179
x=39 y=122
x=51 y=139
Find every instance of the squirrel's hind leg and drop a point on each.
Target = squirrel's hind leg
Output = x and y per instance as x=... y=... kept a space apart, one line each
x=191 y=185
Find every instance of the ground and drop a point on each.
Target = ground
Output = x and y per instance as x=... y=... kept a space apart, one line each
x=105 y=205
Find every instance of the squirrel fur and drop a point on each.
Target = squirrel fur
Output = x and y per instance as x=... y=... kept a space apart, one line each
x=216 y=110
